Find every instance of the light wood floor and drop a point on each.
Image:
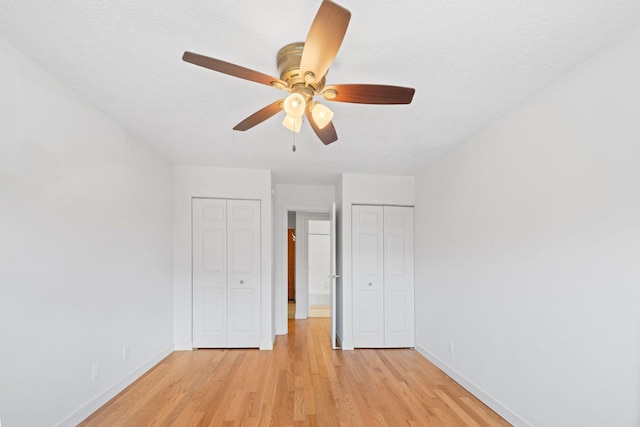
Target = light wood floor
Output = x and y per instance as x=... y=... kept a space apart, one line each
x=291 y=310
x=302 y=382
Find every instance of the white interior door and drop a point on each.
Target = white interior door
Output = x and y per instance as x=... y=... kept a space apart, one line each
x=332 y=276
x=209 y=272
x=368 y=276
x=398 y=277
x=243 y=273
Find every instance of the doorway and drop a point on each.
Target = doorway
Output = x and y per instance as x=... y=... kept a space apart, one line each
x=308 y=270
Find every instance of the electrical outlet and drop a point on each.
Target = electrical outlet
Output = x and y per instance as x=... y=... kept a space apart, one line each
x=450 y=348
x=95 y=370
x=125 y=352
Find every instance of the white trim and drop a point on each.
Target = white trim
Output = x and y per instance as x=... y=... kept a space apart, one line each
x=266 y=345
x=348 y=347
x=93 y=405
x=484 y=397
x=186 y=346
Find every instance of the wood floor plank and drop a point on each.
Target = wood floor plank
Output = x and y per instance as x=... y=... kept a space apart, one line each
x=301 y=382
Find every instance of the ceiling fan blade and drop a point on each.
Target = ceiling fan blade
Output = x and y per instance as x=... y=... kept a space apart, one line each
x=327 y=134
x=232 y=69
x=369 y=94
x=260 y=116
x=324 y=39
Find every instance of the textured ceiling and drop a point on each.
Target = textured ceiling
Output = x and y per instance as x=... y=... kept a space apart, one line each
x=470 y=62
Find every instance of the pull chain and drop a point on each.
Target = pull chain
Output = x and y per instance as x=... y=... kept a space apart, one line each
x=294 y=142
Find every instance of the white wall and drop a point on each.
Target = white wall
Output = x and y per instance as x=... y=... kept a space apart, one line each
x=362 y=189
x=85 y=251
x=308 y=198
x=226 y=183
x=528 y=252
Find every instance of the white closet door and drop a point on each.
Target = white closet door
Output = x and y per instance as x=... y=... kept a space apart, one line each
x=243 y=267
x=368 y=276
x=398 y=277
x=209 y=273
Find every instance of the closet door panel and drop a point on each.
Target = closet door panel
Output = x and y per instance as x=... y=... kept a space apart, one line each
x=209 y=272
x=370 y=324
x=212 y=307
x=398 y=277
x=396 y=319
x=243 y=264
x=368 y=275
x=242 y=315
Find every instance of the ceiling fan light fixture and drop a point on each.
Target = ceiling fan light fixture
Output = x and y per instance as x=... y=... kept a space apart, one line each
x=303 y=68
x=295 y=104
x=330 y=94
x=321 y=114
x=292 y=123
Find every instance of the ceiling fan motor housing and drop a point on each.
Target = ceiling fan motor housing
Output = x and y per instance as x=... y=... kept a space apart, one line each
x=288 y=60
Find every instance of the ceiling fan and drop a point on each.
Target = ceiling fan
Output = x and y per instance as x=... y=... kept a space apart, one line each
x=303 y=68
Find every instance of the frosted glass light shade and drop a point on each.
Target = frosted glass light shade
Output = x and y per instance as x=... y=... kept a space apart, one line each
x=292 y=123
x=294 y=105
x=321 y=114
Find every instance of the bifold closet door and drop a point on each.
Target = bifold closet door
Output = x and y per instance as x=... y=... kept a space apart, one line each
x=383 y=278
x=226 y=273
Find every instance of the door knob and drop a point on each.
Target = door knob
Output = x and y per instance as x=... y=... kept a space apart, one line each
x=241 y=282
x=370 y=283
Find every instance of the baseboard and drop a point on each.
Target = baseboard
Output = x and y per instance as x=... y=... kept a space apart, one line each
x=90 y=407
x=183 y=346
x=346 y=345
x=484 y=397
